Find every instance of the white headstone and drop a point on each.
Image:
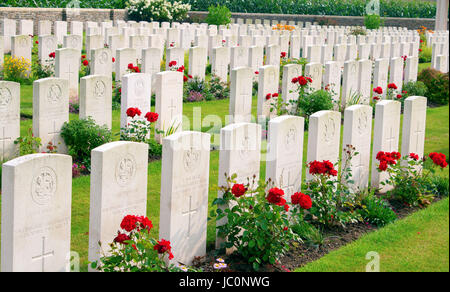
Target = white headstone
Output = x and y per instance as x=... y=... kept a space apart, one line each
x=268 y=84
x=365 y=80
x=314 y=70
x=101 y=62
x=73 y=41
x=124 y=57
x=197 y=62
x=184 y=194
x=380 y=74
x=220 y=60
x=67 y=65
x=324 y=137
x=414 y=121
x=240 y=154
x=9 y=119
x=136 y=92
x=241 y=94
x=169 y=101
x=385 y=137
x=288 y=89
x=96 y=99
x=50 y=111
x=349 y=82
x=36 y=213
x=118 y=188
x=358 y=133
x=285 y=153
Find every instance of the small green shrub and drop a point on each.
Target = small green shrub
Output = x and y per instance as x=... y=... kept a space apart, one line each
x=437 y=84
x=154 y=149
x=28 y=144
x=314 y=102
x=425 y=54
x=218 y=15
x=358 y=31
x=438 y=185
x=372 y=21
x=82 y=136
x=376 y=211
x=308 y=233
x=414 y=89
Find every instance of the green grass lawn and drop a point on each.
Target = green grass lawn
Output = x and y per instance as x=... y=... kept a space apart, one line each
x=436 y=140
x=417 y=243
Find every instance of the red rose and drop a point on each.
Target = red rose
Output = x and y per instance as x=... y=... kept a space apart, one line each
x=285 y=229
x=305 y=202
x=414 y=156
x=185 y=78
x=376 y=98
x=283 y=54
x=309 y=79
x=238 y=190
x=256 y=72
x=121 y=238
x=275 y=95
x=438 y=159
x=83 y=56
x=383 y=165
x=52 y=55
x=113 y=59
x=302 y=81
x=133 y=111
x=392 y=86
x=190 y=76
x=286 y=207
x=276 y=197
x=130 y=66
x=145 y=223
x=378 y=90
x=294 y=80
x=420 y=50
x=85 y=62
x=136 y=69
x=120 y=90
x=399 y=96
x=163 y=246
x=128 y=223
x=37 y=42
x=268 y=96
x=151 y=117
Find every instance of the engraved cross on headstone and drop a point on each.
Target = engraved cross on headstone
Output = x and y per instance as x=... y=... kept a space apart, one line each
x=289 y=184
x=418 y=133
x=189 y=213
x=69 y=72
x=54 y=133
x=172 y=108
x=391 y=139
x=43 y=255
x=3 y=139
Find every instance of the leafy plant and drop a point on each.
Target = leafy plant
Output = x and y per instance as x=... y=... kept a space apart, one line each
x=218 y=15
x=437 y=84
x=134 y=250
x=358 y=31
x=412 y=88
x=425 y=54
x=308 y=233
x=28 y=144
x=372 y=21
x=438 y=185
x=376 y=211
x=17 y=69
x=82 y=136
x=157 y=10
x=333 y=201
x=253 y=221
x=405 y=175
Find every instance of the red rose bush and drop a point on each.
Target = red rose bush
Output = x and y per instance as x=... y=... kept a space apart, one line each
x=134 y=250
x=253 y=218
x=409 y=175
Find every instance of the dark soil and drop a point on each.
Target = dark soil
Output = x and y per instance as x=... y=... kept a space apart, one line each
x=301 y=254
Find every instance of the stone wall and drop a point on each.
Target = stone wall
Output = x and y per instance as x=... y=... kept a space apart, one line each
x=410 y=23
x=90 y=14
x=82 y=14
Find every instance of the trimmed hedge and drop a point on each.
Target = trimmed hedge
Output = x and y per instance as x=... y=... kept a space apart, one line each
x=388 y=8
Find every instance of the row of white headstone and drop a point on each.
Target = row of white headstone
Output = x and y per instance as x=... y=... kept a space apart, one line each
x=36 y=189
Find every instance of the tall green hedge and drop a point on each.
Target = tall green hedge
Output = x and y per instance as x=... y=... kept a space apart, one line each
x=388 y=8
